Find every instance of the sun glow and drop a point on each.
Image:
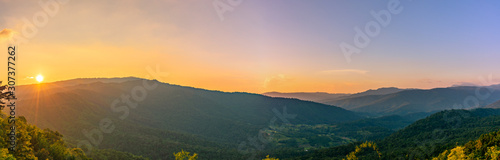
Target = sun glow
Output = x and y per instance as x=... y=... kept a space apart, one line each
x=39 y=78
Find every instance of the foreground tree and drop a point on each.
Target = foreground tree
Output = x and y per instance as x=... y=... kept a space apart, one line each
x=267 y=158
x=359 y=149
x=185 y=156
x=31 y=141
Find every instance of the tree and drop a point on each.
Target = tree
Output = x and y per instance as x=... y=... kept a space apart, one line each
x=359 y=148
x=31 y=141
x=457 y=154
x=185 y=156
x=493 y=153
x=4 y=154
x=267 y=158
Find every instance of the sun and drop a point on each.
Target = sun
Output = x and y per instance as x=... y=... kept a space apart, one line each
x=39 y=78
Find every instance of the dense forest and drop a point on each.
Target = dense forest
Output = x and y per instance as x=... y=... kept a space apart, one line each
x=33 y=142
x=425 y=139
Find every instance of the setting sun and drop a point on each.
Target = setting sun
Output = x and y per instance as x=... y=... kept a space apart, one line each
x=39 y=78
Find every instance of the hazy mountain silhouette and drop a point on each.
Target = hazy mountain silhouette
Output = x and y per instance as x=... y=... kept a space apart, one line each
x=322 y=97
x=494 y=105
x=416 y=100
x=307 y=96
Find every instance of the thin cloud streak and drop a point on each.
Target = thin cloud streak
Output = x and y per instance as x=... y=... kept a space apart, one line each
x=343 y=71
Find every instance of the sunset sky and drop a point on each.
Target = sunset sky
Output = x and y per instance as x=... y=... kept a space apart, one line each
x=258 y=46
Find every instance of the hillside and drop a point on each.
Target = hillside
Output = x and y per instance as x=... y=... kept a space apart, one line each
x=423 y=139
x=169 y=118
x=485 y=147
x=33 y=142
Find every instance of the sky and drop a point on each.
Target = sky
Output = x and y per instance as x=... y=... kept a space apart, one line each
x=257 y=45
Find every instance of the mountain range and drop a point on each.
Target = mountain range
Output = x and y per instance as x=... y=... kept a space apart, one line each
x=322 y=97
x=389 y=101
x=125 y=116
x=156 y=119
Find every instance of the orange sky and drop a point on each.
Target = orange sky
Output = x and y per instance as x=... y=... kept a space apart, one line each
x=257 y=48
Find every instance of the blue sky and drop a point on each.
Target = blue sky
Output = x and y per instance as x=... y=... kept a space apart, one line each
x=262 y=45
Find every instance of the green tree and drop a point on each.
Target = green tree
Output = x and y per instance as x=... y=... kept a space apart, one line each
x=457 y=154
x=185 y=156
x=4 y=154
x=359 y=149
x=32 y=142
x=267 y=158
x=493 y=153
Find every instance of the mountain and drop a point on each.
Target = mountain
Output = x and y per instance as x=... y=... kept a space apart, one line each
x=494 y=105
x=79 y=81
x=322 y=97
x=154 y=119
x=380 y=91
x=416 y=100
x=307 y=96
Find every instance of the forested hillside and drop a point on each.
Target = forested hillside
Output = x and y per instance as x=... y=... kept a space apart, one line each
x=32 y=142
x=424 y=139
x=485 y=147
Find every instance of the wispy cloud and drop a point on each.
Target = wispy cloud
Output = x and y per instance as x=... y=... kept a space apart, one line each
x=276 y=80
x=6 y=34
x=429 y=81
x=344 y=71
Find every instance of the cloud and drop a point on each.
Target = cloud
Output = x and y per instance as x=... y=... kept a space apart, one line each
x=28 y=78
x=429 y=81
x=276 y=80
x=343 y=71
x=464 y=84
x=6 y=34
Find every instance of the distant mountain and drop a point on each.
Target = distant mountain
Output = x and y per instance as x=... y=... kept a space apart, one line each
x=169 y=118
x=494 y=105
x=413 y=101
x=79 y=81
x=307 y=96
x=380 y=91
x=322 y=97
